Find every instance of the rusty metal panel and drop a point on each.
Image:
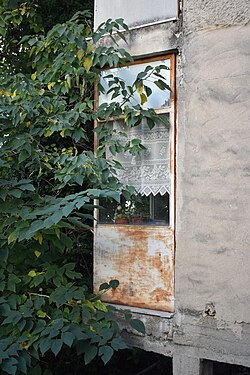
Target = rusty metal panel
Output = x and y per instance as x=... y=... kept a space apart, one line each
x=142 y=259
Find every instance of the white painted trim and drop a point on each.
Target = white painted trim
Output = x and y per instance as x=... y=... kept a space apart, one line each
x=154 y=23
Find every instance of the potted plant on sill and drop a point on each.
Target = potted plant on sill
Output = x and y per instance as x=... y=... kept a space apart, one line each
x=122 y=216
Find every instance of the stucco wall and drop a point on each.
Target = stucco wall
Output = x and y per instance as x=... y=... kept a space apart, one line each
x=213 y=187
x=213 y=190
x=205 y=14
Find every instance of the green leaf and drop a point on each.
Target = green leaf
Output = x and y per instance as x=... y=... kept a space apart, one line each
x=106 y=353
x=104 y=286
x=41 y=314
x=16 y=193
x=39 y=326
x=32 y=273
x=150 y=123
x=23 y=156
x=114 y=284
x=56 y=217
x=148 y=90
x=90 y=353
x=118 y=343
x=68 y=209
x=36 y=226
x=162 y=85
x=4 y=253
x=68 y=338
x=22 y=364
x=87 y=63
x=138 y=325
x=44 y=345
x=28 y=187
x=99 y=305
x=9 y=366
x=143 y=98
x=32 y=41
x=56 y=346
x=80 y=54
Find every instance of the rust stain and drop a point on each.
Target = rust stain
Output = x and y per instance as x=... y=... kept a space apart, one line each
x=141 y=258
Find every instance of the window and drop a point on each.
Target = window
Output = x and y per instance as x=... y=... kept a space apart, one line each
x=149 y=171
x=140 y=254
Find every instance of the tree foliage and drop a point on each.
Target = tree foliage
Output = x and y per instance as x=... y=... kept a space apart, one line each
x=20 y=17
x=50 y=176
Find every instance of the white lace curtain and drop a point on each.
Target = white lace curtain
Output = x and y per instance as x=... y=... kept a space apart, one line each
x=149 y=171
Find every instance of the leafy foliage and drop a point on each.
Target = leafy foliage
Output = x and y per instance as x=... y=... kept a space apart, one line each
x=20 y=17
x=50 y=176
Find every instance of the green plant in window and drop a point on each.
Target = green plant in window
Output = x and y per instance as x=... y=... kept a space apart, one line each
x=122 y=214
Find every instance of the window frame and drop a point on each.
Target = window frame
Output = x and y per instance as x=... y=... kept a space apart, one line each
x=172 y=132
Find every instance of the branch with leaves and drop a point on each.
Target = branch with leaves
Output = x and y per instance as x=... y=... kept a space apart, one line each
x=50 y=176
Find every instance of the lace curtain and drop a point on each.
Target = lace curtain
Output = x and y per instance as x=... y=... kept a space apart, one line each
x=149 y=171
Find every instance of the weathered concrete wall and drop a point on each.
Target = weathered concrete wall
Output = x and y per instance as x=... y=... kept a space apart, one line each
x=152 y=40
x=213 y=187
x=213 y=190
x=206 y=14
x=212 y=260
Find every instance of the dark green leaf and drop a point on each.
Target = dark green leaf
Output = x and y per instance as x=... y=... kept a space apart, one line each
x=118 y=343
x=106 y=352
x=56 y=346
x=45 y=345
x=137 y=325
x=22 y=364
x=150 y=123
x=104 y=286
x=90 y=353
x=16 y=193
x=114 y=284
x=9 y=366
x=4 y=253
x=148 y=90
x=68 y=338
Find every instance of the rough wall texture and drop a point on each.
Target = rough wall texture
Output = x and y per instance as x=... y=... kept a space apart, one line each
x=205 y=14
x=212 y=262
x=213 y=174
x=213 y=187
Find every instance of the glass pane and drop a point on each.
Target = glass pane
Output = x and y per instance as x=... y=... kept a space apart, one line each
x=142 y=210
x=158 y=99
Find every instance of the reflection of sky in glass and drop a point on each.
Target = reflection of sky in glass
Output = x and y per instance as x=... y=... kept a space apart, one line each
x=158 y=99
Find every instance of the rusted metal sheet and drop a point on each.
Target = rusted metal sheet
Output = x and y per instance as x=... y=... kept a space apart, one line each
x=142 y=259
